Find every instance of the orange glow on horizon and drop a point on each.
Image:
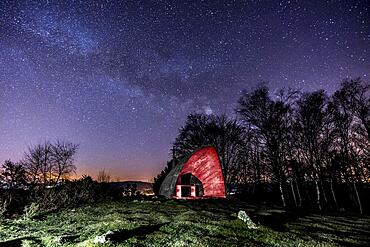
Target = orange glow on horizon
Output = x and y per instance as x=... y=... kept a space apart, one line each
x=115 y=176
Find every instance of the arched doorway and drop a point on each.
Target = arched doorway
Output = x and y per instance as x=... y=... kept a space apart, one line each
x=189 y=186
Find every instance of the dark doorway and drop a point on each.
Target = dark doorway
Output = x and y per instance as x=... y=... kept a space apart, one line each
x=185 y=191
x=199 y=191
x=187 y=180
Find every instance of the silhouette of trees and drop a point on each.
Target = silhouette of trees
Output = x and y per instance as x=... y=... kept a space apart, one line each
x=271 y=120
x=103 y=177
x=63 y=159
x=41 y=181
x=350 y=112
x=315 y=141
x=226 y=135
x=310 y=149
x=48 y=163
x=12 y=179
x=355 y=94
x=12 y=175
x=313 y=136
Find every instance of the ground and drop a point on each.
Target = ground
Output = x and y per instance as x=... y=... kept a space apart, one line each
x=184 y=223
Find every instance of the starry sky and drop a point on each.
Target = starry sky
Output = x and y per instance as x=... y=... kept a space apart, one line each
x=120 y=77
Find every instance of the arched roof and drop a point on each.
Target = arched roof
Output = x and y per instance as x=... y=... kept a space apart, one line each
x=168 y=186
x=205 y=165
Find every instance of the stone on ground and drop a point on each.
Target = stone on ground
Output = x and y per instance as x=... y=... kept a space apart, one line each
x=244 y=217
x=66 y=239
x=102 y=239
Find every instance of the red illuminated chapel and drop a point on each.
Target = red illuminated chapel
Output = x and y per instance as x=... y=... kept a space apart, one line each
x=200 y=176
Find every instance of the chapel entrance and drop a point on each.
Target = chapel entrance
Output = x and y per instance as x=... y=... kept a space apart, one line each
x=189 y=186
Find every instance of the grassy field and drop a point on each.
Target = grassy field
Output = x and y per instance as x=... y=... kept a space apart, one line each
x=184 y=223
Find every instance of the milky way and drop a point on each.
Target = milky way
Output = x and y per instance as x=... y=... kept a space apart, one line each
x=120 y=77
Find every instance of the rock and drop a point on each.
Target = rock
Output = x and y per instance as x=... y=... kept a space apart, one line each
x=66 y=239
x=103 y=238
x=244 y=217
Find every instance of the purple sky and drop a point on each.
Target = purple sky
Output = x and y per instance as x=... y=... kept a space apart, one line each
x=120 y=77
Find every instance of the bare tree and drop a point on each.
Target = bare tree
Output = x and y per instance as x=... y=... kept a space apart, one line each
x=350 y=144
x=271 y=121
x=47 y=163
x=356 y=95
x=62 y=158
x=38 y=163
x=311 y=124
x=226 y=135
x=12 y=178
x=103 y=177
x=12 y=175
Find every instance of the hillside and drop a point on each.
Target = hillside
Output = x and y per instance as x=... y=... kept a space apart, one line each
x=139 y=185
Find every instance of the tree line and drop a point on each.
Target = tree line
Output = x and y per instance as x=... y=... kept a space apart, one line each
x=42 y=181
x=301 y=149
x=46 y=164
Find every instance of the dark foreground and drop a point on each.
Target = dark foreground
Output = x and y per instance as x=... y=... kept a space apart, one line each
x=184 y=223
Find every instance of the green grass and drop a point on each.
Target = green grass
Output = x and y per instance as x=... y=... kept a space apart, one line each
x=185 y=223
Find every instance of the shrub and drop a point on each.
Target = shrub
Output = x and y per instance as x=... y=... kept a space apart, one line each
x=3 y=207
x=31 y=210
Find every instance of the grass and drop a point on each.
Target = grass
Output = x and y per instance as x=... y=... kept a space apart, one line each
x=184 y=223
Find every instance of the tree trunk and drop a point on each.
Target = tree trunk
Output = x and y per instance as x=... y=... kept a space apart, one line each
x=351 y=193
x=295 y=199
x=299 y=194
x=282 y=194
x=318 y=195
x=365 y=124
x=306 y=187
x=323 y=193
x=258 y=169
x=357 y=197
x=333 y=194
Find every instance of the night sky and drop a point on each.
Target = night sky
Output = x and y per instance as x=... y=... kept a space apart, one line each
x=120 y=77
